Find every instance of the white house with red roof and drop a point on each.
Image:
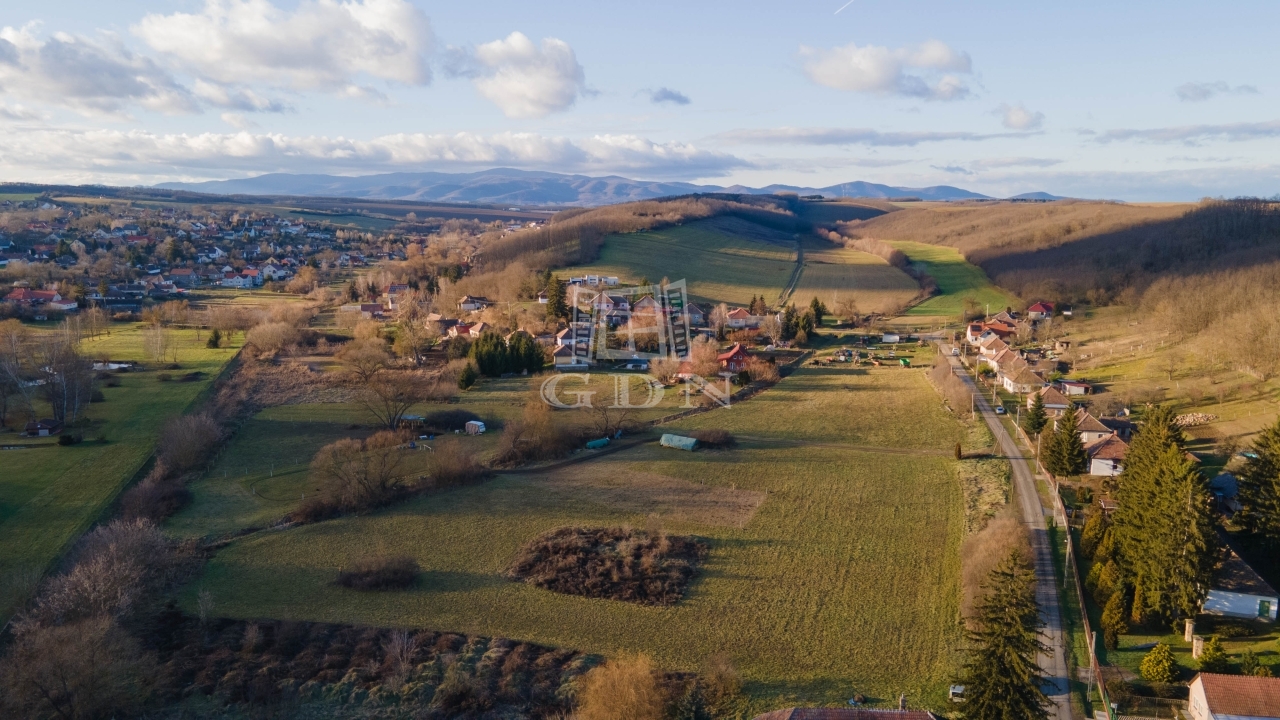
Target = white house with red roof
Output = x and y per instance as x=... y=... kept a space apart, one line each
x=1233 y=697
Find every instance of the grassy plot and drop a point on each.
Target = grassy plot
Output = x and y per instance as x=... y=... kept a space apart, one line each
x=49 y=494
x=957 y=280
x=832 y=570
x=832 y=273
x=724 y=259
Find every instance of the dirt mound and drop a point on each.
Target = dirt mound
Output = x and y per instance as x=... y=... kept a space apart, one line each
x=611 y=563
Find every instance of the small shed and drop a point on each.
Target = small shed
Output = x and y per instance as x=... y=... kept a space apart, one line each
x=679 y=442
x=474 y=427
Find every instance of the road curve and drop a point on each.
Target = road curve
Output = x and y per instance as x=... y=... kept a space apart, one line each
x=1053 y=663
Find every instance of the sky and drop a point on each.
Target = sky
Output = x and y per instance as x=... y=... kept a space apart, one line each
x=1136 y=101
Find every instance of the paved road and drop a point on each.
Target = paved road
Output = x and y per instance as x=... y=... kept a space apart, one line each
x=1054 y=662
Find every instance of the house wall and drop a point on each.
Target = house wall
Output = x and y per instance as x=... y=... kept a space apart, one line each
x=1104 y=468
x=1223 y=602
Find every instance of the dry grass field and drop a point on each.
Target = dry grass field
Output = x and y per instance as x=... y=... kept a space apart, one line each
x=832 y=570
x=832 y=273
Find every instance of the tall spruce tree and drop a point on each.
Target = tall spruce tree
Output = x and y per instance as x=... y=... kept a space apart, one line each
x=1065 y=454
x=557 y=304
x=1259 y=483
x=1001 y=678
x=1164 y=528
x=1036 y=418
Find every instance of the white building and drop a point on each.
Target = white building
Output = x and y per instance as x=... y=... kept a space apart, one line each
x=1233 y=697
x=1241 y=592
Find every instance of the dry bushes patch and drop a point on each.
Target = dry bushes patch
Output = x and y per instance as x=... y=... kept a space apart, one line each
x=714 y=438
x=649 y=568
x=380 y=573
x=983 y=550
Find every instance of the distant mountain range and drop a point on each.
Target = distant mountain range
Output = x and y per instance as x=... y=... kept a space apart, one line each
x=525 y=187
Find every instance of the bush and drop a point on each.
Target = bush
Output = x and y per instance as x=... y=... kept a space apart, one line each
x=1214 y=657
x=361 y=474
x=154 y=499
x=215 y=338
x=313 y=510
x=186 y=441
x=385 y=573
x=622 y=689
x=452 y=464
x=164 y=377
x=272 y=337
x=649 y=568
x=67 y=438
x=714 y=438
x=1114 y=623
x=468 y=376
x=1158 y=666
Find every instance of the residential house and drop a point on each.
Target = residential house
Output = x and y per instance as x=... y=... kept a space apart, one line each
x=1106 y=456
x=469 y=303
x=236 y=281
x=697 y=316
x=542 y=298
x=27 y=296
x=1005 y=317
x=734 y=359
x=564 y=359
x=273 y=272
x=1239 y=591
x=992 y=346
x=1004 y=361
x=1040 y=311
x=367 y=311
x=43 y=428
x=1019 y=379
x=1091 y=429
x=460 y=329
x=1119 y=426
x=254 y=276
x=739 y=318
x=1055 y=403
x=1074 y=387
x=606 y=303
x=646 y=305
x=479 y=329
x=1233 y=697
x=185 y=277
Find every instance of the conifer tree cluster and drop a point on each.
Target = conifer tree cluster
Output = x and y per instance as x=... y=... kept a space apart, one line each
x=1165 y=541
x=1064 y=453
x=557 y=302
x=1001 y=677
x=1259 y=488
x=494 y=355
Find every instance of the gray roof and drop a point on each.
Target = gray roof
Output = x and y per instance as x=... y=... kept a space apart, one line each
x=1236 y=576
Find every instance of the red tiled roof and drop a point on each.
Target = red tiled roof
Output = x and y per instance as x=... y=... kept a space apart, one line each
x=1241 y=695
x=845 y=714
x=731 y=352
x=738 y=314
x=1041 y=307
x=1110 y=447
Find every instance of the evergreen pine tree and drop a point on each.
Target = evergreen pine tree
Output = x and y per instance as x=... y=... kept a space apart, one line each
x=1001 y=677
x=818 y=309
x=557 y=304
x=1158 y=665
x=1036 y=418
x=1259 y=483
x=1065 y=453
x=1113 y=620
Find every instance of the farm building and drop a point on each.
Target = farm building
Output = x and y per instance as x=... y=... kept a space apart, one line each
x=890 y=338
x=468 y=303
x=1219 y=697
x=734 y=359
x=43 y=428
x=1106 y=456
x=1072 y=387
x=1241 y=592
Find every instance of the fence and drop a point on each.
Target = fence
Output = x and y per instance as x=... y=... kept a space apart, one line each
x=1071 y=573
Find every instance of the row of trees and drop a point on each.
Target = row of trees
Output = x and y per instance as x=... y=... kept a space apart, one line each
x=47 y=366
x=495 y=356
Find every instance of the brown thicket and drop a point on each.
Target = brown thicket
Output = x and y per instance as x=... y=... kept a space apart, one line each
x=954 y=390
x=983 y=550
x=452 y=464
x=380 y=573
x=362 y=474
x=186 y=441
x=539 y=434
x=625 y=688
x=650 y=568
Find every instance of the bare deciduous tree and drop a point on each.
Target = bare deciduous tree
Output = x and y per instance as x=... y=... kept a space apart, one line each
x=360 y=474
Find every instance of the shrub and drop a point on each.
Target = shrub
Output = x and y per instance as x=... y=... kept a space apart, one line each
x=272 y=337
x=983 y=550
x=186 y=441
x=1114 y=623
x=382 y=573
x=154 y=499
x=1214 y=657
x=1249 y=663
x=714 y=438
x=622 y=689
x=67 y=438
x=164 y=377
x=452 y=464
x=361 y=474
x=649 y=568
x=468 y=376
x=215 y=338
x=722 y=681
x=537 y=435
x=313 y=510
x=1158 y=666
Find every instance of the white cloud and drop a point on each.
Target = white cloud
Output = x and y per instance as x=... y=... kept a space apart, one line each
x=89 y=77
x=18 y=112
x=523 y=79
x=1199 y=92
x=852 y=136
x=319 y=45
x=1018 y=117
x=238 y=121
x=1196 y=134
x=888 y=71
x=237 y=98
x=61 y=154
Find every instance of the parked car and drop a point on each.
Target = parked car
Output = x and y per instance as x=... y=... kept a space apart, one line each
x=1000 y=410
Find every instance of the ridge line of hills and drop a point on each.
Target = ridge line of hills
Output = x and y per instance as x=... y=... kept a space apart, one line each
x=526 y=187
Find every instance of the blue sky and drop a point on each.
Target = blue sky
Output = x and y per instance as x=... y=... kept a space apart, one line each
x=1136 y=101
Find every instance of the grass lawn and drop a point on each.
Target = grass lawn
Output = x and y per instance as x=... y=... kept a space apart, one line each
x=263 y=472
x=723 y=259
x=957 y=280
x=832 y=273
x=832 y=570
x=50 y=494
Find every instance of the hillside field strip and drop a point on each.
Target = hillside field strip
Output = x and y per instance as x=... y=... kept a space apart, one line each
x=832 y=273
x=50 y=494
x=832 y=570
x=724 y=259
x=957 y=280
